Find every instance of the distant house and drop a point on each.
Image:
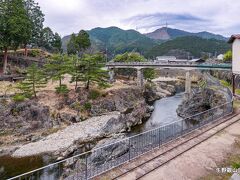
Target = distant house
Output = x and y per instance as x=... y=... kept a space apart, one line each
x=220 y=57
x=174 y=59
x=165 y=58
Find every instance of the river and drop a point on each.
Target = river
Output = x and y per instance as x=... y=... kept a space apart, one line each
x=164 y=113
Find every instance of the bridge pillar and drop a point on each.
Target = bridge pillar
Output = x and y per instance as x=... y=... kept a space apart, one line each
x=188 y=83
x=139 y=77
x=111 y=75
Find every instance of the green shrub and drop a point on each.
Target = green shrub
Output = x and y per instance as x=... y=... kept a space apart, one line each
x=228 y=56
x=225 y=83
x=87 y=106
x=236 y=165
x=94 y=94
x=238 y=91
x=19 y=98
x=104 y=85
x=149 y=74
x=34 y=53
x=202 y=84
x=62 y=89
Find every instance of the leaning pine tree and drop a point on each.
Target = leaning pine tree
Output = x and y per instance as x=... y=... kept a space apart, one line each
x=35 y=80
x=92 y=66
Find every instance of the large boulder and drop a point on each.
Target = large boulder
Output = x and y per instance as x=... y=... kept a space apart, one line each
x=157 y=90
x=202 y=99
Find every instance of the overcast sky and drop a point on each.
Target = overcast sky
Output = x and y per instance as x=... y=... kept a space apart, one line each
x=217 y=16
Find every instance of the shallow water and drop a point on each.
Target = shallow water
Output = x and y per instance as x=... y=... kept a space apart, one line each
x=164 y=113
x=10 y=166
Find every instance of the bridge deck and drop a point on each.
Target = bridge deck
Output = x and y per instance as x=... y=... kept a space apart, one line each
x=187 y=66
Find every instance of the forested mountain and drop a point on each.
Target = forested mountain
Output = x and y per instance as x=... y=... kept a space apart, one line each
x=189 y=45
x=169 y=33
x=161 y=42
x=116 y=40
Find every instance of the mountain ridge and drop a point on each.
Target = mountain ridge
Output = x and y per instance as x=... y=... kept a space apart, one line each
x=175 y=33
x=114 y=40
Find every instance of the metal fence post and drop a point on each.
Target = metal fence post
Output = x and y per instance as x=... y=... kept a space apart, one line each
x=86 y=173
x=159 y=137
x=223 y=112
x=129 y=149
x=212 y=114
x=182 y=128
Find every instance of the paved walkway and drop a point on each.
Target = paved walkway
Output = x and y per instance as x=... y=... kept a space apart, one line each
x=197 y=161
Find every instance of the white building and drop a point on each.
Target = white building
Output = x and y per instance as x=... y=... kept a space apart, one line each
x=165 y=58
x=235 y=40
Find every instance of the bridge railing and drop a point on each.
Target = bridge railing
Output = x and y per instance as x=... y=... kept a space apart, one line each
x=148 y=63
x=106 y=157
x=165 y=63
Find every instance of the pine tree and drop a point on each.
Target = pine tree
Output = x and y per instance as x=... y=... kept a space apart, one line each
x=76 y=46
x=35 y=80
x=57 y=67
x=77 y=70
x=93 y=71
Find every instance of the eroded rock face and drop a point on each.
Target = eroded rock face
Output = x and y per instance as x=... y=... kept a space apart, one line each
x=203 y=99
x=131 y=104
x=158 y=90
x=117 y=100
x=24 y=117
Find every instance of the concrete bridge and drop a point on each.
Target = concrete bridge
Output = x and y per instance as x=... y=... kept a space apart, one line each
x=165 y=65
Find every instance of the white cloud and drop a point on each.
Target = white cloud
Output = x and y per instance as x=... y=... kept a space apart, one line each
x=67 y=16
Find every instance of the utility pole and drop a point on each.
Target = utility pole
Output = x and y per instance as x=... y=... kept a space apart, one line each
x=106 y=54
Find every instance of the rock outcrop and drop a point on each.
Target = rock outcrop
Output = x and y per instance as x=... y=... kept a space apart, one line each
x=24 y=117
x=76 y=137
x=157 y=90
x=202 y=99
x=117 y=111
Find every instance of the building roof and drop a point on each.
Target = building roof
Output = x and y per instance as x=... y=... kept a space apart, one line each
x=233 y=37
x=197 y=60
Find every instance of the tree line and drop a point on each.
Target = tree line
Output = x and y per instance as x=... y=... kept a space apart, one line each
x=82 y=66
x=21 y=25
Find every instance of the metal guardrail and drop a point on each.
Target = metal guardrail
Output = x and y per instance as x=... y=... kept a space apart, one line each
x=102 y=159
x=178 y=64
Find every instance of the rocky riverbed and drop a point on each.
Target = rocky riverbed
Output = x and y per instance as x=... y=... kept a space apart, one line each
x=115 y=111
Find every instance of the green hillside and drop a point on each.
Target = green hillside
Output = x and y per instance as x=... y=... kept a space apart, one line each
x=117 y=40
x=194 y=45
